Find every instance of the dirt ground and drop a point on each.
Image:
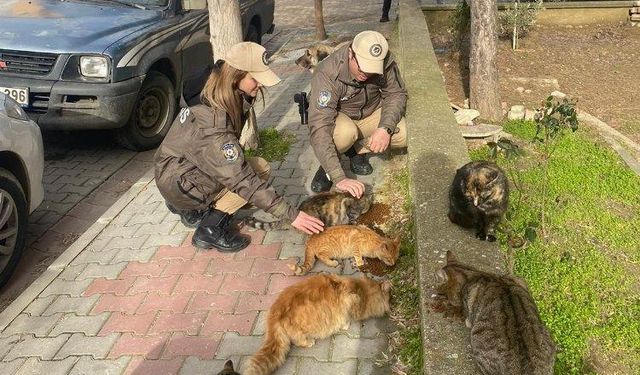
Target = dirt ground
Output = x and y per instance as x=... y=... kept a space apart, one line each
x=596 y=64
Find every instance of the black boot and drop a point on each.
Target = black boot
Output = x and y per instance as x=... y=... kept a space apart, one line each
x=189 y=218
x=214 y=232
x=359 y=162
x=320 y=182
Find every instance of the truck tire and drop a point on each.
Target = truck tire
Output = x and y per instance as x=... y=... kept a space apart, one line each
x=253 y=34
x=151 y=116
x=13 y=224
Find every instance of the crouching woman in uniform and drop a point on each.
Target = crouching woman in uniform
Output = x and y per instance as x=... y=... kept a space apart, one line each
x=200 y=167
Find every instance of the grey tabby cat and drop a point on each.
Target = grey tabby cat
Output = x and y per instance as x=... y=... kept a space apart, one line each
x=507 y=335
x=333 y=208
x=478 y=197
x=228 y=369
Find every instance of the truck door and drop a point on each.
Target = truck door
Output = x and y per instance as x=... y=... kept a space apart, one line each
x=196 y=54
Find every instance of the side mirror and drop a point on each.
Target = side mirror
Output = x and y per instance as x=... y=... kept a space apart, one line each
x=193 y=4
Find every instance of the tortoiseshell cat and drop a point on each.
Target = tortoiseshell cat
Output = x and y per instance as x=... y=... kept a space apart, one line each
x=478 y=197
x=333 y=208
x=228 y=369
x=346 y=241
x=315 y=308
x=507 y=334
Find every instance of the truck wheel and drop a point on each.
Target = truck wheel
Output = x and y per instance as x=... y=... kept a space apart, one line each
x=253 y=34
x=13 y=224
x=151 y=116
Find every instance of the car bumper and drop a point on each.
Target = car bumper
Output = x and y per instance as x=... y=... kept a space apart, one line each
x=62 y=105
x=36 y=157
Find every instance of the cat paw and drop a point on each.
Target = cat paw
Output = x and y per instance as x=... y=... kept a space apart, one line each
x=308 y=343
x=481 y=236
x=491 y=238
x=345 y=326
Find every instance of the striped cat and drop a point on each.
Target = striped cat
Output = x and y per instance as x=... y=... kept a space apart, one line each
x=479 y=197
x=507 y=335
x=228 y=369
x=333 y=208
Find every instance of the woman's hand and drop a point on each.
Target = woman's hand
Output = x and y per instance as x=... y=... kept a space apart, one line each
x=353 y=187
x=307 y=223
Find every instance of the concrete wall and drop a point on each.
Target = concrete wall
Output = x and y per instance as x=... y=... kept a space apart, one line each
x=562 y=13
x=436 y=149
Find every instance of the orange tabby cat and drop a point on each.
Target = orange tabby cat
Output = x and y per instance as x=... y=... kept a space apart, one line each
x=315 y=308
x=345 y=241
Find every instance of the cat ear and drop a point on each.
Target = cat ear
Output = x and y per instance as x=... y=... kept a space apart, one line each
x=228 y=365
x=442 y=276
x=450 y=257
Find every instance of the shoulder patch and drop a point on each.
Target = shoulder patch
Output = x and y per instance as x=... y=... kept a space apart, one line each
x=230 y=152
x=323 y=98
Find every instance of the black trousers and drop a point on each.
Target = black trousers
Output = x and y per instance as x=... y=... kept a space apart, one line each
x=386 y=5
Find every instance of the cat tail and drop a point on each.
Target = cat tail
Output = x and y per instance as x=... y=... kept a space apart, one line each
x=256 y=223
x=309 y=261
x=271 y=355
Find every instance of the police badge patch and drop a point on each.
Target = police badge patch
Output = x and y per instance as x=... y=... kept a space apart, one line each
x=230 y=152
x=323 y=98
x=265 y=61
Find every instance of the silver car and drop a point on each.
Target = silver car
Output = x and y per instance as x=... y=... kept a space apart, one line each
x=21 y=190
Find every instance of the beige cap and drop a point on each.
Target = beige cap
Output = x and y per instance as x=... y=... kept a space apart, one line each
x=252 y=58
x=371 y=48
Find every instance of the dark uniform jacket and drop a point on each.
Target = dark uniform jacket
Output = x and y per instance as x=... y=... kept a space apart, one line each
x=200 y=156
x=334 y=90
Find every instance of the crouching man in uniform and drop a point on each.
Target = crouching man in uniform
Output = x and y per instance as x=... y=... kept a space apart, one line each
x=200 y=167
x=356 y=106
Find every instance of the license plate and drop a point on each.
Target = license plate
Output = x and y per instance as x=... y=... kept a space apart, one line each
x=19 y=94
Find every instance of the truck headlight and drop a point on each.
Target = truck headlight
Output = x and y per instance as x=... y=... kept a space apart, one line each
x=94 y=66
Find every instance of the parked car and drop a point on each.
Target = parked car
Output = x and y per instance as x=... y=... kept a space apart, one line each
x=21 y=190
x=111 y=64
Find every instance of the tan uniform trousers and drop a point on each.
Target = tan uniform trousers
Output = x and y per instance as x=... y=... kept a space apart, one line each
x=356 y=133
x=230 y=202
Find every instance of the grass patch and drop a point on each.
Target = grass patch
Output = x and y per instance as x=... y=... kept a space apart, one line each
x=584 y=275
x=274 y=144
x=406 y=343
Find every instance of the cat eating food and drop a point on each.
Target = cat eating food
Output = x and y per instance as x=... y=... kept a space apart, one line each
x=345 y=241
x=315 y=308
x=507 y=335
x=479 y=197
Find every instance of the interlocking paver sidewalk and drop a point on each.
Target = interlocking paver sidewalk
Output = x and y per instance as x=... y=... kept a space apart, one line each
x=139 y=299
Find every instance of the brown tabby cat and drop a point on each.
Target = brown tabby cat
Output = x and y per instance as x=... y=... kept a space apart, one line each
x=333 y=208
x=345 y=241
x=228 y=369
x=315 y=308
x=507 y=334
x=478 y=197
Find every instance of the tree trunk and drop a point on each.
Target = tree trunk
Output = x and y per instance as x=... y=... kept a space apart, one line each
x=321 y=33
x=225 y=25
x=484 y=92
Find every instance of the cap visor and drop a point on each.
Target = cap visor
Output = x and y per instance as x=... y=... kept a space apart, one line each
x=370 y=66
x=266 y=78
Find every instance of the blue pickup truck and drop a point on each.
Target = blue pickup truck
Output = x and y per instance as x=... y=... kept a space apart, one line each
x=111 y=64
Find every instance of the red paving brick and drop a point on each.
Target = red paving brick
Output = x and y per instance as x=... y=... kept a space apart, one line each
x=125 y=304
x=178 y=322
x=156 y=302
x=199 y=283
x=182 y=267
x=101 y=286
x=139 y=366
x=237 y=266
x=162 y=285
x=252 y=302
x=256 y=235
x=234 y=283
x=149 y=347
x=213 y=302
x=264 y=266
x=217 y=322
x=171 y=252
x=202 y=347
x=136 y=324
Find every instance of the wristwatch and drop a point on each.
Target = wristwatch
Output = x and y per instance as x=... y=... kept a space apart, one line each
x=389 y=131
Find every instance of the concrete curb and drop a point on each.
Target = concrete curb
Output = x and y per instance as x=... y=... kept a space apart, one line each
x=436 y=150
x=56 y=268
